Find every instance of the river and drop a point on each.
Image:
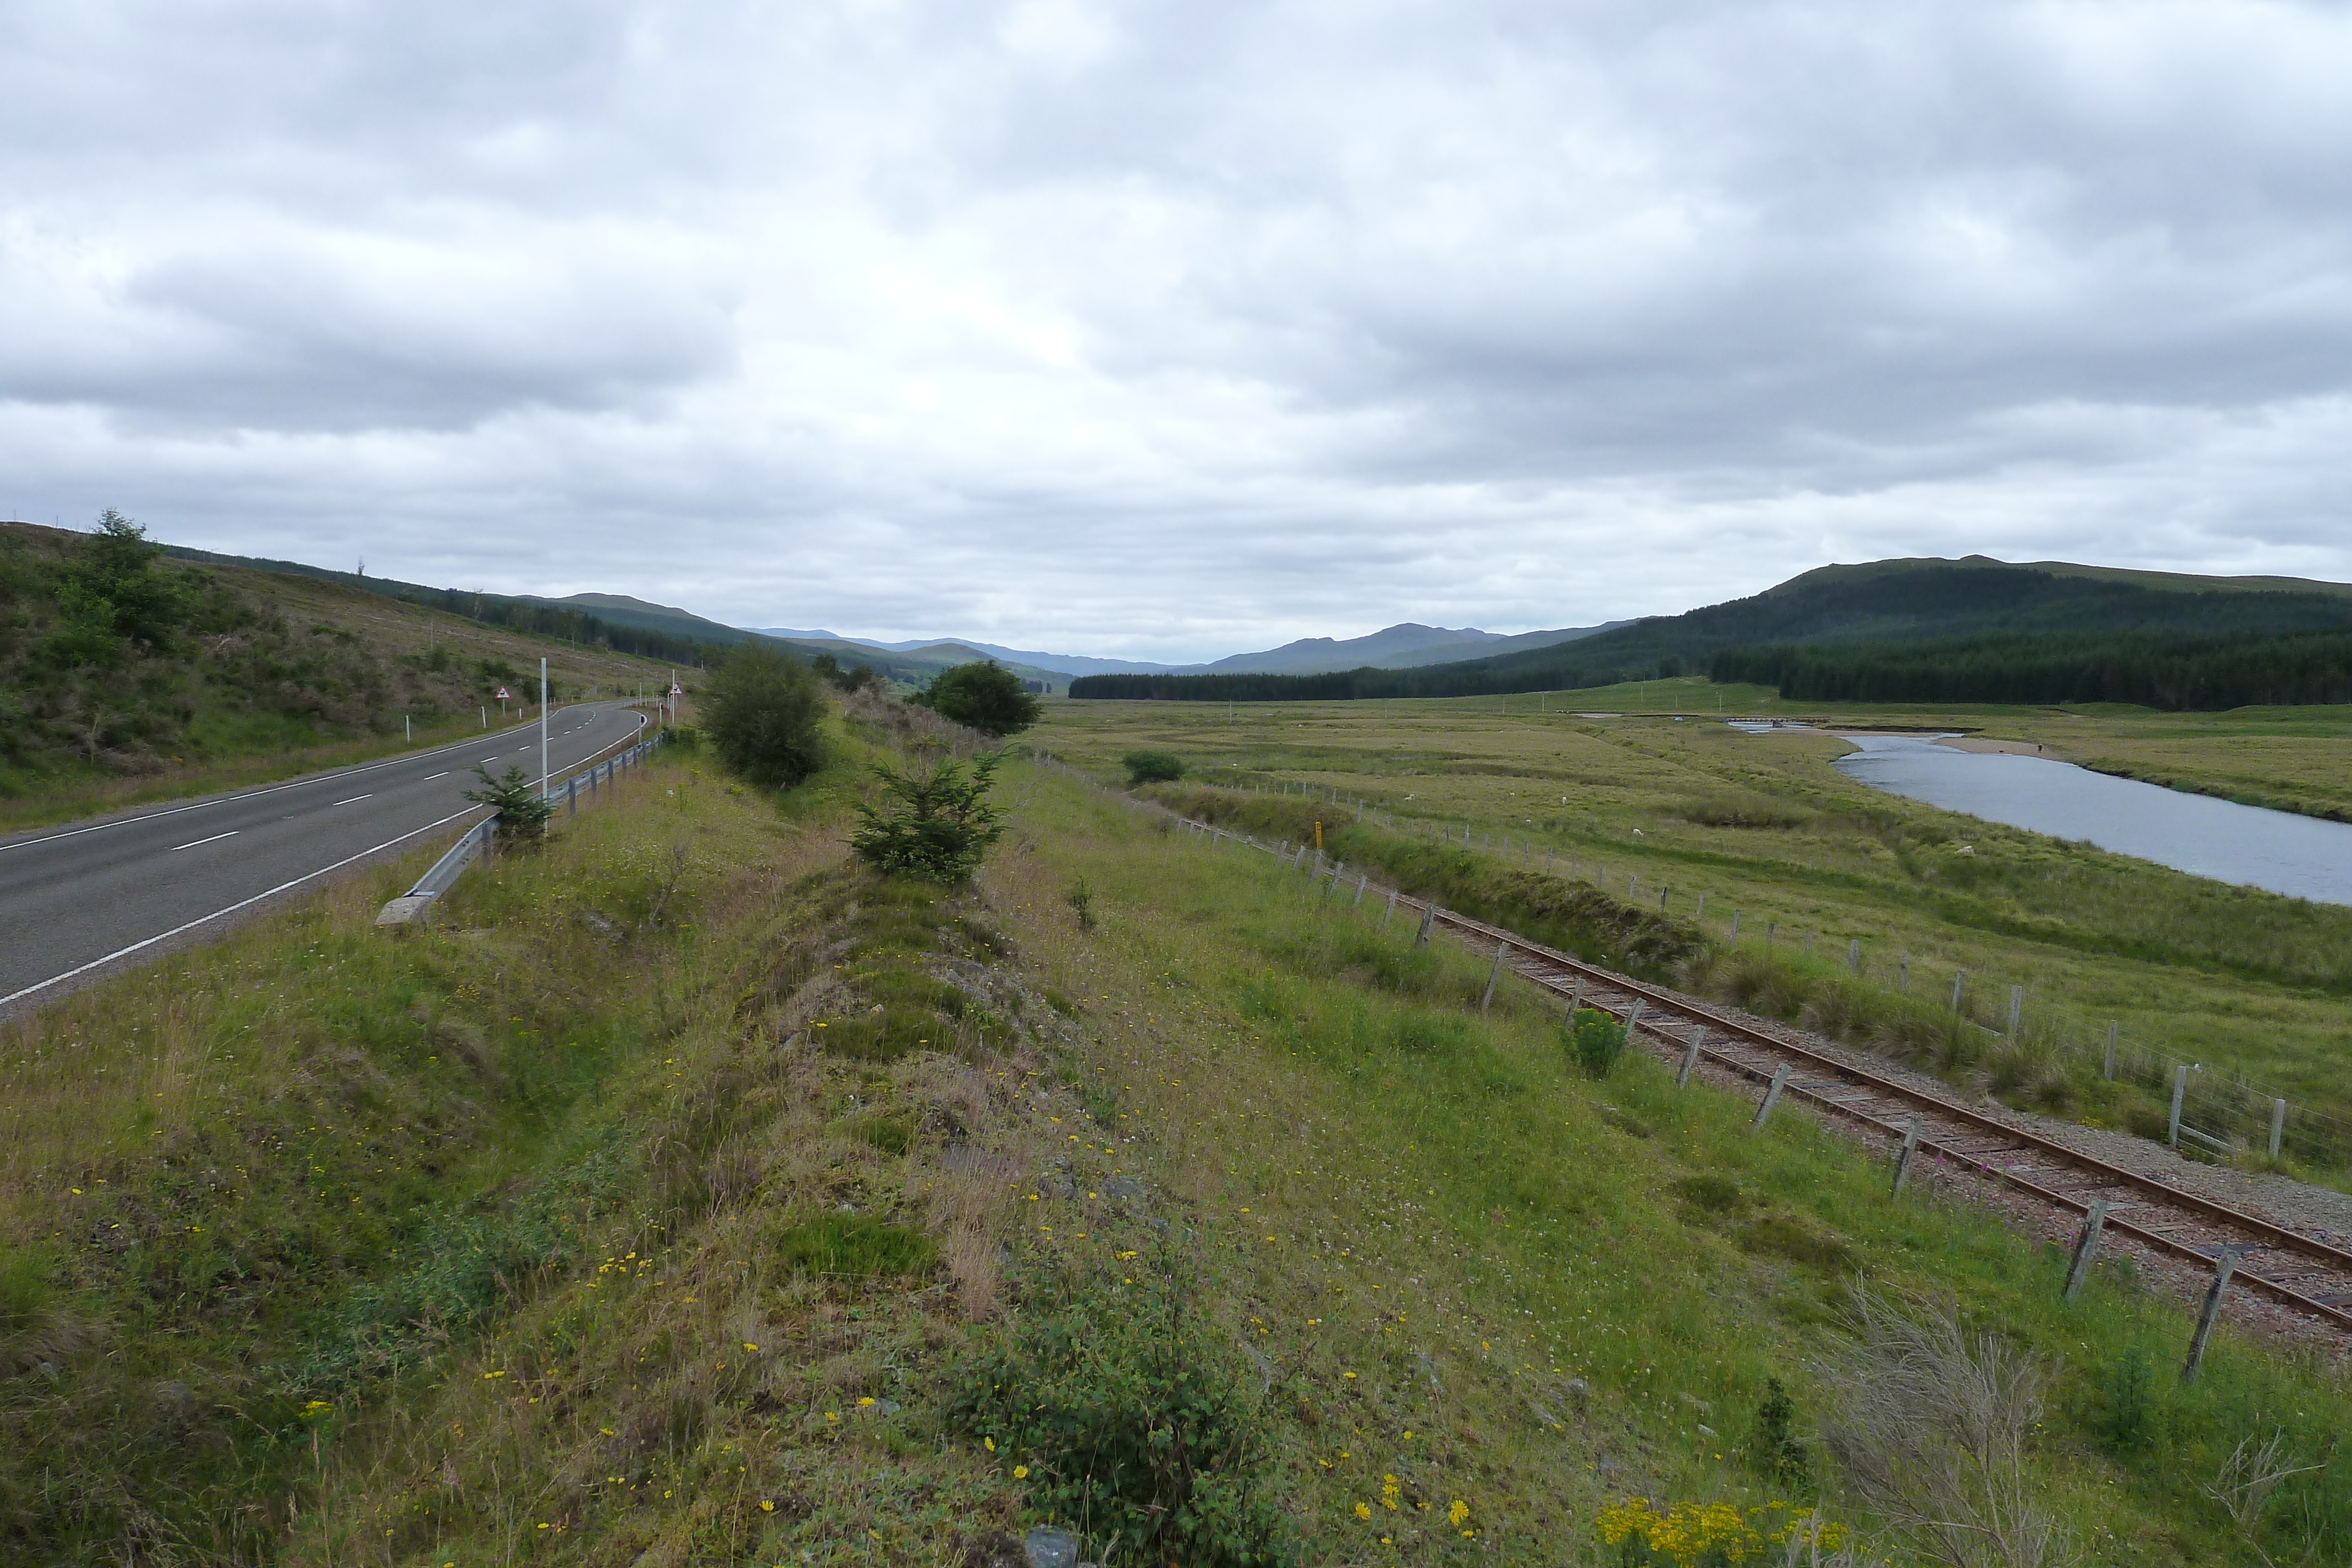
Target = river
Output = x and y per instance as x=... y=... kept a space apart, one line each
x=2303 y=857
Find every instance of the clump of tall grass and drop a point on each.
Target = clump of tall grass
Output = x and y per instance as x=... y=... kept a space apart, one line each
x=1560 y=911
x=1934 y=1426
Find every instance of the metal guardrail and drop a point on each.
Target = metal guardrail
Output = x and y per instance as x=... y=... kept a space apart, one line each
x=417 y=902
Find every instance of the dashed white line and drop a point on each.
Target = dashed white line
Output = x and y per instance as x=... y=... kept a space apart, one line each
x=352 y=801
x=429 y=778
x=213 y=840
x=215 y=915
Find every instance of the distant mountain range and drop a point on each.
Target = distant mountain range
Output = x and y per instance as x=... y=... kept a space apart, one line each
x=1400 y=647
x=679 y=632
x=1927 y=629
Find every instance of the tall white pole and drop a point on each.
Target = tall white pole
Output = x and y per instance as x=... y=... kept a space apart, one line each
x=542 y=727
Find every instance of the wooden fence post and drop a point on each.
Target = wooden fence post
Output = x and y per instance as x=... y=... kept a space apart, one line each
x=1494 y=974
x=2107 y=1071
x=1960 y=988
x=1700 y=913
x=1735 y=928
x=2224 y=1265
x=1393 y=898
x=1428 y=917
x=1910 y=1152
x=1853 y=955
x=1363 y=883
x=2179 y=1092
x=2085 y=1245
x=1771 y=1098
x=1690 y=1056
x=2278 y=1125
x=2016 y=1008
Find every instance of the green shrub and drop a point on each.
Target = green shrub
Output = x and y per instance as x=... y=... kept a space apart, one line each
x=1152 y=767
x=1778 y=1453
x=855 y=1247
x=761 y=711
x=1595 y=1041
x=934 y=821
x=984 y=694
x=1134 y=1418
x=523 y=811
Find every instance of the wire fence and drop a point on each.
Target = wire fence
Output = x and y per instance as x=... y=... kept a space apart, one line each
x=2216 y=1112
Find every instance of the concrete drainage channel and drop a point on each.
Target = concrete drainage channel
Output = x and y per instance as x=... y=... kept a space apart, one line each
x=416 y=906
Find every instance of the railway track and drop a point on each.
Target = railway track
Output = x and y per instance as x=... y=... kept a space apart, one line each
x=2307 y=1273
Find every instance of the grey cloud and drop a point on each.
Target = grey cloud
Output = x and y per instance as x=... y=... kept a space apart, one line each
x=1169 y=328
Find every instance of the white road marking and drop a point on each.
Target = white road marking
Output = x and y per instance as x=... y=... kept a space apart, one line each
x=352 y=801
x=429 y=779
x=213 y=840
x=248 y=795
x=232 y=909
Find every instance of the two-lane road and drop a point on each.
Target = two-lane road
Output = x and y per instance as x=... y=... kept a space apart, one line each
x=79 y=901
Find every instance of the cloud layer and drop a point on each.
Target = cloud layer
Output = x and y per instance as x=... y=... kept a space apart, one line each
x=1168 y=329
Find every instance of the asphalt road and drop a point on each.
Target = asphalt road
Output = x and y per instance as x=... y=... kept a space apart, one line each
x=82 y=900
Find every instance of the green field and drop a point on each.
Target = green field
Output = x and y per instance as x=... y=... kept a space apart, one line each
x=2241 y=982
x=676 y=1198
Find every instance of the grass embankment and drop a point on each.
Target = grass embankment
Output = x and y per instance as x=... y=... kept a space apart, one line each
x=2235 y=980
x=678 y=1197
x=205 y=678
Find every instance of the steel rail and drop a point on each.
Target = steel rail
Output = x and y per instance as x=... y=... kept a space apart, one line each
x=2271 y=1236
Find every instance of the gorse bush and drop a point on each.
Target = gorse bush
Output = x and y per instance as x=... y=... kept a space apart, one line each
x=762 y=712
x=935 y=819
x=1595 y=1041
x=1134 y=1419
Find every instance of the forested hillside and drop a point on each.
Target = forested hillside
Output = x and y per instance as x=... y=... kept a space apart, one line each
x=117 y=662
x=2159 y=670
x=1905 y=631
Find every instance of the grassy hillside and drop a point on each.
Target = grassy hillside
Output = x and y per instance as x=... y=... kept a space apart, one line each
x=124 y=676
x=1908 y=631
x=687 y=1196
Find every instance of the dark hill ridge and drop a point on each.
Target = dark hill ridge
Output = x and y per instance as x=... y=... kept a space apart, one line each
x=1922 y=631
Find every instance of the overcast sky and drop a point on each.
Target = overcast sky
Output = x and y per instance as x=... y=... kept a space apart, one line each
x=1172 y=329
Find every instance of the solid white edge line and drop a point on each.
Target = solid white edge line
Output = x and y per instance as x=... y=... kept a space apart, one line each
x=256 y=898
x=232 y=909
x=256 y=794
x=201 y=843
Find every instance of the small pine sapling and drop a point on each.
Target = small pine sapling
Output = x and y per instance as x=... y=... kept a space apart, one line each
x=934 y=821
x=522 y=812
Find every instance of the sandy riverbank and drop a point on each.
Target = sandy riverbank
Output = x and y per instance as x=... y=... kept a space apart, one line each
x=2005 y=748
